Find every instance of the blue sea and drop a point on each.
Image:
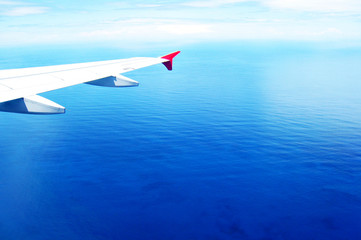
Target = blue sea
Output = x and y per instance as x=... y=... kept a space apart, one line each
x=254 y=141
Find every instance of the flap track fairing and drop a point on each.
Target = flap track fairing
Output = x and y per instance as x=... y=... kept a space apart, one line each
x=32 y=105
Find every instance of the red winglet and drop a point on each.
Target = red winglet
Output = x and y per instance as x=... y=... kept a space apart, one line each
x=169 y=57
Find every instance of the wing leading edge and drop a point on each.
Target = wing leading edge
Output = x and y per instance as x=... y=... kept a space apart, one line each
x=19 y=87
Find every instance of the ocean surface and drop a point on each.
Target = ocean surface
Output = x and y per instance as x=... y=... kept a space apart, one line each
x=239 y=141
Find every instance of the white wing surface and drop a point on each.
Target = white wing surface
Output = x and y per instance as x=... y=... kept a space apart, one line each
x=19 y=87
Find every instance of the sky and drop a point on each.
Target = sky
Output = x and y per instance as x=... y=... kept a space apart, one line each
x=139 y=22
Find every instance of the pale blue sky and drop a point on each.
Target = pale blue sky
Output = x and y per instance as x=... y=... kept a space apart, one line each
x=131 y=23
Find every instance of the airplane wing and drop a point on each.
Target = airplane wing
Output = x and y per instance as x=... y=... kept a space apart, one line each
x=19 y=87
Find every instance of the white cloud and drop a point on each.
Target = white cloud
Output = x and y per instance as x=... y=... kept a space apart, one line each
x=18 y=8
x=148 y=5
x=286 y=31
x=184 y=29
x=9 y=3
x=126 y=5
x=211 y=3
x=120 y=5
x=23 y=11
x=315 y=5
x=127 y=33
x=331 y=31
x=135 y=32
x=194 y=21
x=148 y=29
x=299 y=5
